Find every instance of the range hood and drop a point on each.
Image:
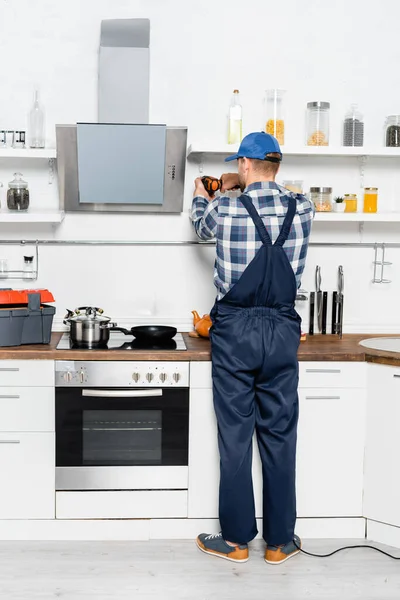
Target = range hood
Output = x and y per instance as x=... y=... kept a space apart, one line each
x=122 y=163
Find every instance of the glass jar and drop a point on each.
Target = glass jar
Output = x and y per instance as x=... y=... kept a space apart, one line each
x=392 y=131
x=370 y=200
x=18 y=194
x=275 y=123
x=318 y=123
x=353 y=128
x=322 y=198
x=351 y=202
x=295 y=186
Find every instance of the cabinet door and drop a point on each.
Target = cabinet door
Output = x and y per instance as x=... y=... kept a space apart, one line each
x=27 y=471
x=382 y=484
x=330 y=452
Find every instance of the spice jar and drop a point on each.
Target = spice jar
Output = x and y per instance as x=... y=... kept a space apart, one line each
x=353 y=128
x=275 y=124
x=322 y=198
x=318 y=123
x=393 y=131
x=370 y=200
x=18 y=194
x=351 y=202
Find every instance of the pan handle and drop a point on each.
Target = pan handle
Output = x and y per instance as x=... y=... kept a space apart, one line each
x=124 y=331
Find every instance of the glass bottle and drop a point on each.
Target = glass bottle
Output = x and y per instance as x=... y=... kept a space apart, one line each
x=28 y=267
x=18 y=194
x=235 y=120
x=353 y=128
x=275 y=123
x=36 y=124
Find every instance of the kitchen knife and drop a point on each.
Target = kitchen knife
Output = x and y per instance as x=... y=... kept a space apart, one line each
x=312 y=304
x=324 y=311
x=319 y=297
x=340 y=301
x=334 y=312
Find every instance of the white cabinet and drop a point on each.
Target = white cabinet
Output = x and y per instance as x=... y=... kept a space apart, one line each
x=330 y=452
x=382 y=483
x=27 y=439
x=27 y=475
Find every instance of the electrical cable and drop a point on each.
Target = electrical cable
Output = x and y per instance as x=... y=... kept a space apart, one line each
x=345 y=548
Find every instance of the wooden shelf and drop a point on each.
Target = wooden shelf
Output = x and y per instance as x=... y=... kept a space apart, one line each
x=45 y=153
x=32 y=216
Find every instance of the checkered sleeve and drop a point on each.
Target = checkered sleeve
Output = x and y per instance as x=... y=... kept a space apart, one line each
x=204 y=217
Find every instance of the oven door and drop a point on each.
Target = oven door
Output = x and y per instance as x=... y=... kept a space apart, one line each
x=118 y=439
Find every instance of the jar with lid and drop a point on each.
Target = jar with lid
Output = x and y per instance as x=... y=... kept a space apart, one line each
x=275 y=123
x=318 y=123
x=350 y=202
x=322 y=198
x=294 y=185
x=392 y=131
x=371 y=200
x=353 y=127
x=18 y=194
x=28 y=267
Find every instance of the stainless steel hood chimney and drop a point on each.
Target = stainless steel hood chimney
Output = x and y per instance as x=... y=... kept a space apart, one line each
x=122 y=164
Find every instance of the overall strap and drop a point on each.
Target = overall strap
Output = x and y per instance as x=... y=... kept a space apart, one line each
x=287 y=223
x=262 y=231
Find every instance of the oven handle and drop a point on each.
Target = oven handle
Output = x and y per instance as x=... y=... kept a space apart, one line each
x=121 y=393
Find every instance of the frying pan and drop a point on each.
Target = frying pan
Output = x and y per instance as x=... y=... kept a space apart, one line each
x=146 y=333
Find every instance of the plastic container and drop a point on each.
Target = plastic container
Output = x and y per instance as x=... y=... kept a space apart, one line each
x=370 y=200
x=351 y=203
x=24 y=318
x=235 y=120
x=322 y=198
x=392 y=131
x=18 y=194
x=318 y=123
x=275 y=123
x=353 y=128
x=294 y=185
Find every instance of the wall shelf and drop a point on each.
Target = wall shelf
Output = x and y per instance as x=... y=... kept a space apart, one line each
x=369 y=151
x=332 y=217
x=45 y=153
x=32 y=216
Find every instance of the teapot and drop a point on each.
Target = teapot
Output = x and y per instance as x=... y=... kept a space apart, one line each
x=202 y=324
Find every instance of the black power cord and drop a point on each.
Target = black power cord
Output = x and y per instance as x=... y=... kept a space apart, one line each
x=345 y=548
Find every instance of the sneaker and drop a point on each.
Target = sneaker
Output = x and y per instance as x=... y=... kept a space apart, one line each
x=216 y=545
x=276 y=555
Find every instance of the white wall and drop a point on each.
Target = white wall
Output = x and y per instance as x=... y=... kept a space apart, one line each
x=345 y=52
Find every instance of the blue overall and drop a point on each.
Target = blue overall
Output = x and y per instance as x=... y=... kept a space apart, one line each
x=254 y=339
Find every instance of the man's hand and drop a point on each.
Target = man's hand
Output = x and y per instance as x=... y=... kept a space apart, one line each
x=230 y=181
x=200 y=190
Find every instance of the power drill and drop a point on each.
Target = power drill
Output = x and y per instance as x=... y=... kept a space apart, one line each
x=211 y=184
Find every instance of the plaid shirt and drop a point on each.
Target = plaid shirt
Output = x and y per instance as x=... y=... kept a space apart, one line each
x=227 y=220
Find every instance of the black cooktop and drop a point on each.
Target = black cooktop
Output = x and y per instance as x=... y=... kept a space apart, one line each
x=120 y=341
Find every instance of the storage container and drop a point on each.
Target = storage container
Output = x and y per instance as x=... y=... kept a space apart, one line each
x=275 y=120
x=351 y=202
x=353 y=128
x=318 y=123
x=392 y=131
x=294 y=185
x=370 y=200
x=24 y=318
x=322 y=198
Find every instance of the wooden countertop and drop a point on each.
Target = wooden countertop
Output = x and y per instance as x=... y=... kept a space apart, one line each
x=316 y=348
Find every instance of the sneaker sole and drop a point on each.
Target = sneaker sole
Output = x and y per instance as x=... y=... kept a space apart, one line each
x=280 y=562
x=213 y=553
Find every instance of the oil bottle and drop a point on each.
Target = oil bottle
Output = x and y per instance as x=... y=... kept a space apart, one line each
x=235 y=120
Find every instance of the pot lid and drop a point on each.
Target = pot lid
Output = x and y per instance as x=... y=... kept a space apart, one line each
x=18 y=183
x=87 y=314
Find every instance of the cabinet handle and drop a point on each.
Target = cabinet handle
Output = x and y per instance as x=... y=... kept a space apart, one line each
x=396 y=375
x=10 y=441
x=121 y=393
x=323 y=371
x=9 y=396
x=322 y=397
x=8 y=369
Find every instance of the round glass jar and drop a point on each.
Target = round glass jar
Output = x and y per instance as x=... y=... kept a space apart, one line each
x=18 y=194
x=322 y=198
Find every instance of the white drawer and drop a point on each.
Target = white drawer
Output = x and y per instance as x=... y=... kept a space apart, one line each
x=27 y=409
x=26 y=373
x=144 y=504
x=200 y=375
x=332 y=374
x=27 y=472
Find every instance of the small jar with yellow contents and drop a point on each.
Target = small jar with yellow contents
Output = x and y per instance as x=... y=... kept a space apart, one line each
x=275 y=124
x=351 y=203
x=371 y=200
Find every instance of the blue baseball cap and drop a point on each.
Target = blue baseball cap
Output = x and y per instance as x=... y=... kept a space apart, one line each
x=256 y=145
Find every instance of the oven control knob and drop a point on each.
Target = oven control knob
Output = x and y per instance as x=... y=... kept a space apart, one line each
x=82 y=376
x=68 y=376
x=135 y=377
x=149 y=377
x=176 y=377
x=163 y=377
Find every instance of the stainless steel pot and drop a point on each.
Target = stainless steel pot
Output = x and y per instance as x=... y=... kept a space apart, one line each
x=90 y=329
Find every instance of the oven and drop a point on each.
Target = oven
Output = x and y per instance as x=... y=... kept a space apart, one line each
x=122 y=425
